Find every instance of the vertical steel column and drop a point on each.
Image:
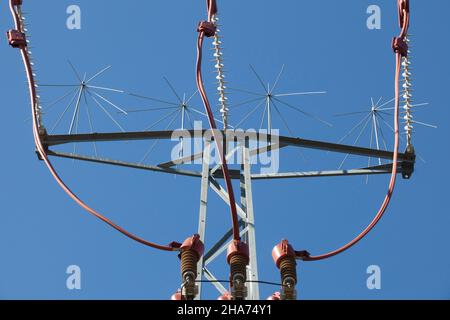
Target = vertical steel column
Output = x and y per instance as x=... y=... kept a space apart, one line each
x=250 y=236
x=203 y=211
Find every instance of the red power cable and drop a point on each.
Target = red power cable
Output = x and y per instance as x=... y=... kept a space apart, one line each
x=42 y=150
x=404 y=20
x=208 y=29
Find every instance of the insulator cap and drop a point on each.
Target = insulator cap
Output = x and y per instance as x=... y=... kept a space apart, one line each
x=238 y=247
x=193 y=244
x=281 y=251
x=275 y=297
x=225 y=297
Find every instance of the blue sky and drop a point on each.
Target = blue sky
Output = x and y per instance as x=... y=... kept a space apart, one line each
x=325 y=45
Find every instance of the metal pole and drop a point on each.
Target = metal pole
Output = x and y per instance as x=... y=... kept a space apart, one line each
x=247 y=203
x=203 y=211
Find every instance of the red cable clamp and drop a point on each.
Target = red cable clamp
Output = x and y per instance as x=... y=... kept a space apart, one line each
x=17 y=2
x=16 y=39
x=208 y=28
x=400 y=46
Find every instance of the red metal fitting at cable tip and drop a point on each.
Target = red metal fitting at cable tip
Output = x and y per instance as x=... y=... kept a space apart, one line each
x=16 y=2
x=285 y=258
x=195 y=244
x=238 y=248
x=208 y=28
x=16 y=39
x=281 y=251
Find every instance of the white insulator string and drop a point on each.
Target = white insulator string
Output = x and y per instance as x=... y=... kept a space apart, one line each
x=221 y=88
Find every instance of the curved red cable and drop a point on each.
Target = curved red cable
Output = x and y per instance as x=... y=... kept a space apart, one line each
x=304 y=255
x=42 y=151
x=212 y=9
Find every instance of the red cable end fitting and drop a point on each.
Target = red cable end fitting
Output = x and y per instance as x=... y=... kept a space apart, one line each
x=191 y=251
x=193 y=244
x=16 y=39
x=238 y=248
x=17 y=2
x=281 y=251
x=400 y=46
x=285 y=258
x=275 y=297
x=208 y=28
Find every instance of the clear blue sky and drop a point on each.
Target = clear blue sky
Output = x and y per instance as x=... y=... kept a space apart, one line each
x=325 y=45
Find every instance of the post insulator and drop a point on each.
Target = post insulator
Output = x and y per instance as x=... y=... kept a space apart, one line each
x=238 y=259
x=275 y=297
x=191 y=251
x=284 y=256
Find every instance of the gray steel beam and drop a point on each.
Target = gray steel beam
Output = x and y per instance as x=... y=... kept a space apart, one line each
x=51 y=140
x=203 y=212
x=247 y=198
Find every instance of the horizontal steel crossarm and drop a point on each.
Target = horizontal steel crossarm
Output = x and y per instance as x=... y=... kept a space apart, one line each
x=51 y=140
x=235 y=174
x=328 y=173
x=124 y=164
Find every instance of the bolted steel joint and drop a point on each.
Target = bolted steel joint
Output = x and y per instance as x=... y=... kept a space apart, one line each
x=191 y=251
x=238 y=259
x=285 y=259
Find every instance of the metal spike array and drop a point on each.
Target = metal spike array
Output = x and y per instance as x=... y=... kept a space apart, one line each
x=407 y=95
x=218 y=55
